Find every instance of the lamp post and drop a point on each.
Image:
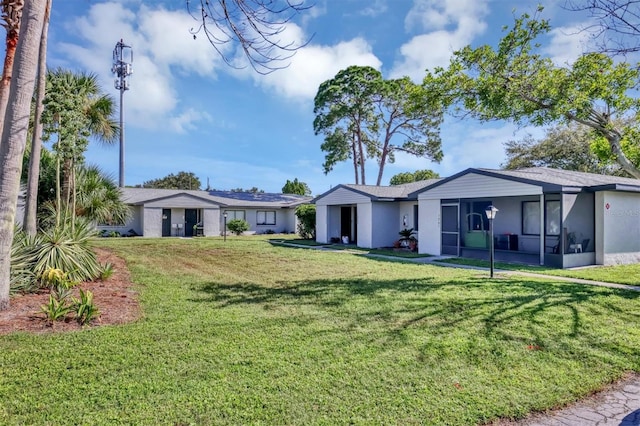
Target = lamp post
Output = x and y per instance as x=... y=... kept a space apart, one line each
x=224 y=232
x=491 y=214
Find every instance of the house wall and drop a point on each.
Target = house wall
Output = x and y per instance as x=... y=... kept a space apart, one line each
x=429 y=236
x=152 y=221
x=474 y=185
x=384 y=224
x=322 y=224
x=342 y=196
x=406 y=208
x=283 y=219
x=211 y=222
x=135 y=223
x=365 y=225
x=617 y=227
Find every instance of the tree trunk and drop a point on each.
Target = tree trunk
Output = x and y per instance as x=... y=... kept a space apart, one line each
x=383 y=156
x=31 y=206
x=355 y=159
x=361 y=152
x=14 y=133
x=12 y=12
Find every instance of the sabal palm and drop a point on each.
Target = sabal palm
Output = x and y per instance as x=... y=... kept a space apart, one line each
x=99 y=198
x=76 y=109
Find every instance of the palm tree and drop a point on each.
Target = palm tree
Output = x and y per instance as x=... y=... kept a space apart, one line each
x=14 y=135
x=99 y=198
x=11 y=14
x=31 y=205
x=75 y=109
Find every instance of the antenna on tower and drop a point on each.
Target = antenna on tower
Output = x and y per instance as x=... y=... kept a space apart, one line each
x=122 y=68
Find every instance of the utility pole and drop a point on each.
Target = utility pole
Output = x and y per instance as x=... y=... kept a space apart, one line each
x=122 y=60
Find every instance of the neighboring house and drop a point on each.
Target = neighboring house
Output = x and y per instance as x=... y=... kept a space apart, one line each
x=369 y=216
x=171 y=212
x=546 y=216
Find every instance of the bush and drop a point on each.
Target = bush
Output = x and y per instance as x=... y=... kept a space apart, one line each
x=306 y=214
x=238 y=226
x=65 y=248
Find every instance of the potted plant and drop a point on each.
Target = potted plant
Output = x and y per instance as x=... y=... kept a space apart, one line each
x=406 y=235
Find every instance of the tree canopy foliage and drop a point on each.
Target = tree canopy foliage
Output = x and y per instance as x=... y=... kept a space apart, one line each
x=181 y=180
x=563 y=147
x=408 y=177
x=362 y=115
x=515 y=82
x=296 y=187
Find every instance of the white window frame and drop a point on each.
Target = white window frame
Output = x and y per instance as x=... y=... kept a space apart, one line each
x=235 y=214
x=265 y=214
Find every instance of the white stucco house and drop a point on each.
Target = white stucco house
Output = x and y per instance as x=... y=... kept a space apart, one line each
x=545 y=216
x=170 y=212
x=369 y=216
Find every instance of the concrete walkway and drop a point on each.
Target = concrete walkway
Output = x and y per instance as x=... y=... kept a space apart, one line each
x=618 y=404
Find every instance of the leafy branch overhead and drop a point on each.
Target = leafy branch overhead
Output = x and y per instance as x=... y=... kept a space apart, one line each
x=362 y=115
x=514 y=82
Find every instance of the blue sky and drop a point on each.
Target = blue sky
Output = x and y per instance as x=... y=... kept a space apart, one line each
x=189 y=111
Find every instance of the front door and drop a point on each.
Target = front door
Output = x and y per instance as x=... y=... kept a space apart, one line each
x=348 y=221
x=450 y=229
x=190 y=219
x=166 y=222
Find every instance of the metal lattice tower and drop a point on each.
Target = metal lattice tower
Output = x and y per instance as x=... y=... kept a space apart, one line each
x=122 y=68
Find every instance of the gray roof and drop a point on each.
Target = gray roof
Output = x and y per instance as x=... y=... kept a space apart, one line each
x=405 y=191
x=222 y=198
x=557 y=180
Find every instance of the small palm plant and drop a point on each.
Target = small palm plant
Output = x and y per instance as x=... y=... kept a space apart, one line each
x=406 y=236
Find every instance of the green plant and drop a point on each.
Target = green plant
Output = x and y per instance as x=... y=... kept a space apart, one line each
x=238 y=226
x=107 y=271
x=84 y=308
x=67 y=248
x=57 y=309
x=306 y=214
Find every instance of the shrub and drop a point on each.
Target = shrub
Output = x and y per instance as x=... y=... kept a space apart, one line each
x=306 y=214
x=64 y=248
x=238 y=226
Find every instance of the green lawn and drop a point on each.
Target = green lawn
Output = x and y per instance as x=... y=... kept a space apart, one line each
x=620 y=274
x=246 y=332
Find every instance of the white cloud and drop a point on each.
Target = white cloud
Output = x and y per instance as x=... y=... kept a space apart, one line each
x=566 y=44
x=186 y=120
x=375 y=8
x=314 y=64
x=452 y=25
x=161 y=44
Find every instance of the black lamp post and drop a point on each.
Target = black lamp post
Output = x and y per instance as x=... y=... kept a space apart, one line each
x=225 y=227
x=491 y=214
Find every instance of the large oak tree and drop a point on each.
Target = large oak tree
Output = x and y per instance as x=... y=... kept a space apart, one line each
x=514 y=82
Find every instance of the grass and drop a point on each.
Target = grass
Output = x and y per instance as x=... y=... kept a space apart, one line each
x=620 y=274
x=245 y=332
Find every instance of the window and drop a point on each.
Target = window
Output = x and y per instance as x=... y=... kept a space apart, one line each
x=531 y=218
x=266 y=218
x=235 y=214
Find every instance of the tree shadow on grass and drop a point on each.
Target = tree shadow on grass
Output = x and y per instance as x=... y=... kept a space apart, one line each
x=436 y=305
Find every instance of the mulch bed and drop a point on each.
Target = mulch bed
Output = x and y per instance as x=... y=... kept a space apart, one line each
x=114 y=297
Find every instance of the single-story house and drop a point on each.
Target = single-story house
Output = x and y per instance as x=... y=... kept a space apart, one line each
x=545 y=216
x=366 y=215
x=172 y=212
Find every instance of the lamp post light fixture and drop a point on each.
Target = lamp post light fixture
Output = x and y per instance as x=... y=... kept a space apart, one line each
x=491 y=214
x=224 y=232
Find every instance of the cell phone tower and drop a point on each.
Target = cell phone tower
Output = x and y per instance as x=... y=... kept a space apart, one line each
x=122 y=68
